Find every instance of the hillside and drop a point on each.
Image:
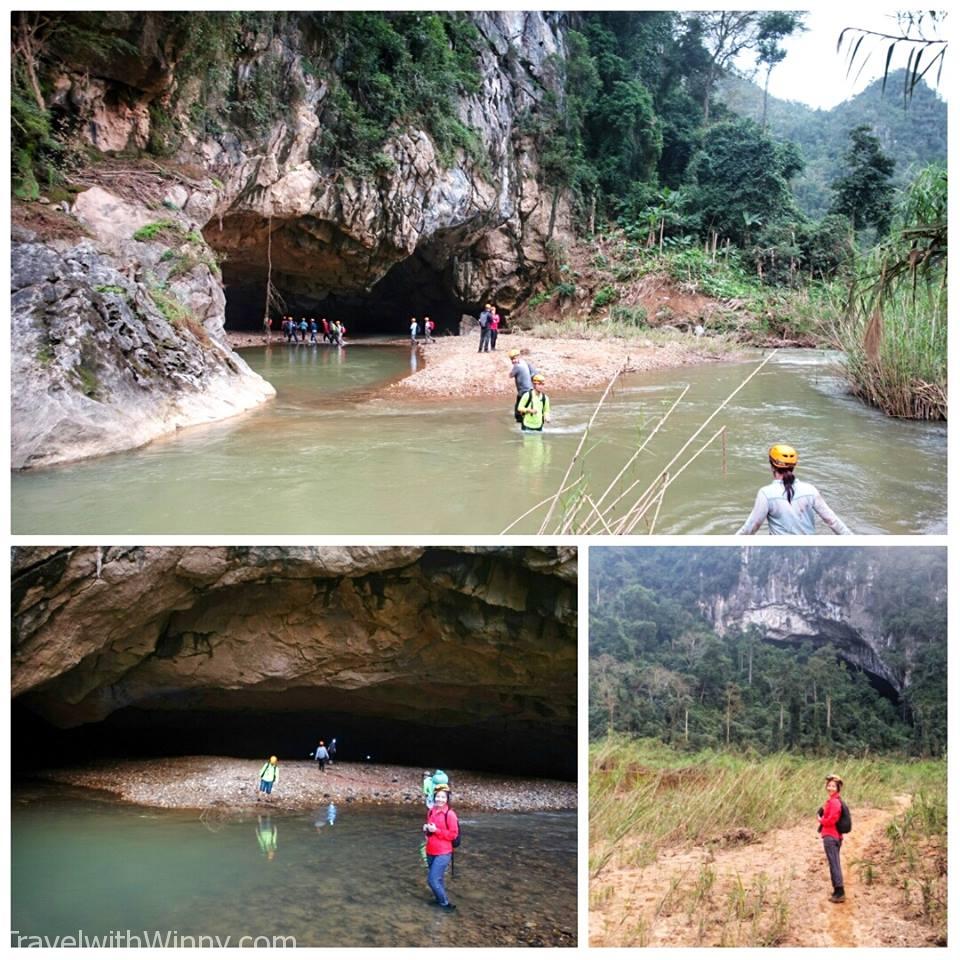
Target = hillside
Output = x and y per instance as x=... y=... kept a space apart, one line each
x=770 y=649
x=913 y=136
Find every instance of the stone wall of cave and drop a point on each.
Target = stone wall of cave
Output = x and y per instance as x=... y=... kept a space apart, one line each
x=456 y=656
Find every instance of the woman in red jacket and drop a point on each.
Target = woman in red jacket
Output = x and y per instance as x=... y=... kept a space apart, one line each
x=832 y=841
x=441 y=830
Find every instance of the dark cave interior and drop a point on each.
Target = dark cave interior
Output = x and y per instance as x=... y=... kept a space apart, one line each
x=500 y=746
x=412 y=287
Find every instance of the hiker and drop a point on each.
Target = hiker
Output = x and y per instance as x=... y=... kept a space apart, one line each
x=428 y=788
x=441 y=830
x=787 y=504
x=332 y=750
x=303 y=329
x=485 y=316
x=494 y=327
x=534 y=406
x=267 y=836
x=269 y=778
x=313 y=330
x=339 y=330
x=413 y=329
x=428 y=326
x=520 y=373
x=829 y=815
x=321 y=756
x=325 y=323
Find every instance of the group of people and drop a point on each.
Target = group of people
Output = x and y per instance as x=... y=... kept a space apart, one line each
x=269 y=775
x=331 y=331
x=489 y=327
x=428 y=327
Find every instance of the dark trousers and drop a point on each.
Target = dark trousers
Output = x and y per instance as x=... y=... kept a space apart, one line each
x=320 y=764
x=831 y=847
x=516 y=413
x=484 y=341
x=493 y=339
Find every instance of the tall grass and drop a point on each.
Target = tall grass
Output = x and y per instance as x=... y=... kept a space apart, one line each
x=896 y=355
x=645 y=797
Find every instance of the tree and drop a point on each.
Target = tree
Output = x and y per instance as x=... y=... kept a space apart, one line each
x=865 y=192
x=739 y=174
x=728 y=34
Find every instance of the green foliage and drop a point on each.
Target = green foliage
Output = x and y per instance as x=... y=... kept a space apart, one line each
x=395 y=70
x=606 y=295
x=633 y=316
x=658 y=669
x=739 y=179
x=865 y=192
x=110 y=288
x=159 y=230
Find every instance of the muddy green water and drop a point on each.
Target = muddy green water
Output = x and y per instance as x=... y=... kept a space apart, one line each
x=328 y=456
x=80 y=863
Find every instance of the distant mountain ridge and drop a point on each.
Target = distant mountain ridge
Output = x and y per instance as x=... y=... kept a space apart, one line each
x=914 y=136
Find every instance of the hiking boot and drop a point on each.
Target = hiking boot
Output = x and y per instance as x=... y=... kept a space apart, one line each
x=838 y=895
x=448 y=906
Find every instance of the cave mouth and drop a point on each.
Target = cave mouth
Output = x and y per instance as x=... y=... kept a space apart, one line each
x=134 y=732
x=416 y=287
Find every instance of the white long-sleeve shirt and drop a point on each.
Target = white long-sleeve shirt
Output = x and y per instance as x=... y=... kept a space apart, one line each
x=792 y=517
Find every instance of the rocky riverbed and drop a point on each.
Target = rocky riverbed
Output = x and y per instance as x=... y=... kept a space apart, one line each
x=229 y=783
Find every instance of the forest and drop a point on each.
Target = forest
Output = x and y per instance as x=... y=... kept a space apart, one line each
x=659 y=669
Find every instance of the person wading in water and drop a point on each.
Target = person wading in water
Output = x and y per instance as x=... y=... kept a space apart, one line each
x=829 y=817
x=790 y=506
x=534 y=406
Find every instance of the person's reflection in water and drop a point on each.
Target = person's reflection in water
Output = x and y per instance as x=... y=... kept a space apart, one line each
x=267 y=836
x=534 y=459
x=331 y=814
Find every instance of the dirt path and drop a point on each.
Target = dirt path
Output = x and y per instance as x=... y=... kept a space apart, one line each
x=773 y=891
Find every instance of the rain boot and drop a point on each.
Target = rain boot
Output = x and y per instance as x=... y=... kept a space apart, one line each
x=838 y=895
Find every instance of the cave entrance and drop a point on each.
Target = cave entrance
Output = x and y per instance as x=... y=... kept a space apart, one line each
x=413 y=287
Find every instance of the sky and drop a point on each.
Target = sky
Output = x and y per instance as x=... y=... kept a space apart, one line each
x=816 y=74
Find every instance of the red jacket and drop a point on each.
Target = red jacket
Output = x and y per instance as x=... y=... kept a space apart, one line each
x=831 y=814
x=441 y=841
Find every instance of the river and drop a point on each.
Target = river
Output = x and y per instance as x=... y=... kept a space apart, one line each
x=328 y=456
x=348 y=875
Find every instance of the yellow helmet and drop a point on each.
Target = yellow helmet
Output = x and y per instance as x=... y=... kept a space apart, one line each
x=273 y=760
x=783 y=456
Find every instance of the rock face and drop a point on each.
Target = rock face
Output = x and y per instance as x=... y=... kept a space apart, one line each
x=838 y=605
x=478 y=227
x=480 y=638
x=97 y=366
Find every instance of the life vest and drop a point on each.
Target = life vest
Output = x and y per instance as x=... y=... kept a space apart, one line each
x=534 y=407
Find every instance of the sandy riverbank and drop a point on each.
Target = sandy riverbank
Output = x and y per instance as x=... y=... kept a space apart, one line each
x=230 y=783
x=453 y=367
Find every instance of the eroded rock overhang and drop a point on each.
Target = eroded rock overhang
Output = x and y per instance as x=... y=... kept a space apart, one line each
x=472 y=646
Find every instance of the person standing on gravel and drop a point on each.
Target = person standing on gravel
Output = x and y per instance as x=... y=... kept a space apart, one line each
x=269 y=777
x=321 y=755
x=441 y=830
x=494 y=327
x=829 y=817
x=413 y=329
x=332 y=750
x=485 y=316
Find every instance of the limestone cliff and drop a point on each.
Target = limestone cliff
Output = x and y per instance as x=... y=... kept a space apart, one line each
x=793 y=596
x=462 y=638
x=118 y=325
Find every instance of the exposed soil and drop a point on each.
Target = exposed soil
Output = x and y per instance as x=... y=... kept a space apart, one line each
x=44 y=222
x=229 y=783
x=664 y=904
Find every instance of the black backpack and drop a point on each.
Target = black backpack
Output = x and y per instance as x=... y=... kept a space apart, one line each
x=456 y=839
x=845 y=823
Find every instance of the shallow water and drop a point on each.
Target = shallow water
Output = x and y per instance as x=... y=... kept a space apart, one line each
x=79 y=863
x=328 y=456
